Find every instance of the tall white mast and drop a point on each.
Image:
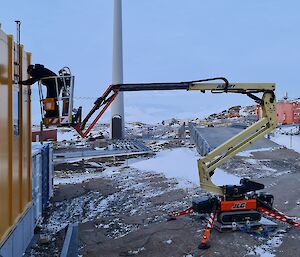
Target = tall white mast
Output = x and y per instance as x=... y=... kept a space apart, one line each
x=117 y=107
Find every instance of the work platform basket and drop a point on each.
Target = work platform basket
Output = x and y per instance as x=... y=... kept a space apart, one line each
x=57 y=106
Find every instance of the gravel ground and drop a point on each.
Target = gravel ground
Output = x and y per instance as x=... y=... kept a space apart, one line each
x=123 y=212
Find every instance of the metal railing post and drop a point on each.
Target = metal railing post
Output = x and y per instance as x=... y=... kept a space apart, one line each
x=70 y=246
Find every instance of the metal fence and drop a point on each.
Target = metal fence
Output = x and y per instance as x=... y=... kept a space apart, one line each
x=201 y=144
x=42 y=175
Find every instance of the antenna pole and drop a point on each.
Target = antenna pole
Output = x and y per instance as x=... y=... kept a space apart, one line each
x=18 y=24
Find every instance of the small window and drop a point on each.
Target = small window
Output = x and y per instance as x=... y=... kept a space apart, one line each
x=16 y=111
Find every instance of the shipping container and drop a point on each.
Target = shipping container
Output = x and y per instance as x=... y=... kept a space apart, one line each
x=15 y=135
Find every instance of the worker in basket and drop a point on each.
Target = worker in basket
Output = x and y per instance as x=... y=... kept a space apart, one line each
x=38 y=72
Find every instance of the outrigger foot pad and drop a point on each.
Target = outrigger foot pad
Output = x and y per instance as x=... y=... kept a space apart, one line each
x=203 y=246
x=171 y=218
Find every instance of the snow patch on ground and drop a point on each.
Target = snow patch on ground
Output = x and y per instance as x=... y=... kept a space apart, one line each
x=168 y=241
x=288 y=129
x=221 y=178
x=181 y=163
x=67 y=135
x=75 y=178
x=135 y=252
x=135 y=193
x=268 y=249
x=288 y=141
x=78 y=210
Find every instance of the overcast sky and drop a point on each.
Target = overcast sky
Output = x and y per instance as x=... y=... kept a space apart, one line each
x=170 y=40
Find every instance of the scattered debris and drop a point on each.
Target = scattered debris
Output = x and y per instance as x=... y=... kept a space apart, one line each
x=121 y=204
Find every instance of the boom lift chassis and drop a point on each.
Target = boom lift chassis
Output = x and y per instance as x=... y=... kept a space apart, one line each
x=239 y=206
x=232 y=205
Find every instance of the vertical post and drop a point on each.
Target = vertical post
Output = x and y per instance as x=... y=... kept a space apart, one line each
x=18 y=62
x=10 y=82
x=29 y=131
x=117 y=107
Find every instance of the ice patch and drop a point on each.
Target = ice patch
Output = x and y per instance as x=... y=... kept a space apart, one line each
x=248 y=153
x=277 y=174
x=265 y=221
x=135 y=252
x=261 y=252
x=252 y=161
x=168 y=241
x=76 y=178
x=100 y=148
x=95 y=164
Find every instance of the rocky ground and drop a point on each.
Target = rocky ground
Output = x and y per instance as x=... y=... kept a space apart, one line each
x=123 y=211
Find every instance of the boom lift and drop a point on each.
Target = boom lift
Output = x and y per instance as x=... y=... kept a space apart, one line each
x=231 y=205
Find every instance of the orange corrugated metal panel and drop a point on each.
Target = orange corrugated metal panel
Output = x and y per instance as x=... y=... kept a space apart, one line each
x=26 y=194
x=15 y=137
x=4 y=135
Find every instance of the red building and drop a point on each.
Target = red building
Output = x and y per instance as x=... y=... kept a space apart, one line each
x=287 y=112
x=45 y=135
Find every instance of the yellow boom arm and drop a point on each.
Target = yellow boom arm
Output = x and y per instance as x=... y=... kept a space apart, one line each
x=215 y=158
x=208 y=163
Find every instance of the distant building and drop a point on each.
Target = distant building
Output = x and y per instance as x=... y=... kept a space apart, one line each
x=45 y=135
x=234 y=112
x=287 y=112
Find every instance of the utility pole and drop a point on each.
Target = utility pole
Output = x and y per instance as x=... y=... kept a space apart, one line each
x=117 y=107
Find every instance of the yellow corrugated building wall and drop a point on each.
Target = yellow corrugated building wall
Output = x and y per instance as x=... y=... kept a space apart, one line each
x=15 y=136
